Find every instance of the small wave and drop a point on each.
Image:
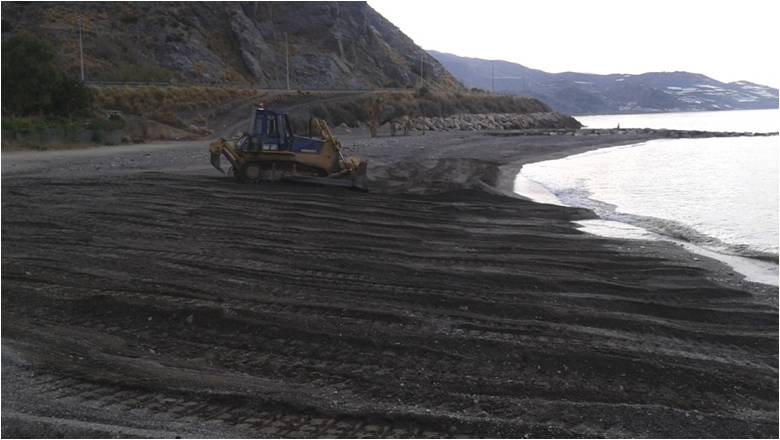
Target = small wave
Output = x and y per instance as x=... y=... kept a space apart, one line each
x=682 y=232
x=579 y=197
x=765 y=272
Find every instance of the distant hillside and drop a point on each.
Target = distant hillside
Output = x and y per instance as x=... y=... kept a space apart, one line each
x=582 y=93
x=332 y=44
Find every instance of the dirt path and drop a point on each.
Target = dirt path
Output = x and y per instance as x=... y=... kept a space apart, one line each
x=160 y=303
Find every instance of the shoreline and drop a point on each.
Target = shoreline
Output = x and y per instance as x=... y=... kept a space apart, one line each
x=144 y=293
x=755 y=272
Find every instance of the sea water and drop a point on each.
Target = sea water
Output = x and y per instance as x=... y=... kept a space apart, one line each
x=758 y=121
x=717 y=196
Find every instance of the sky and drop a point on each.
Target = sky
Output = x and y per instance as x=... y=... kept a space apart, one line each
x=726 y=40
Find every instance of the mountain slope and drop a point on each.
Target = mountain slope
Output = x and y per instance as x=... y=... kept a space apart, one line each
x=331 y=44
x=582 y=93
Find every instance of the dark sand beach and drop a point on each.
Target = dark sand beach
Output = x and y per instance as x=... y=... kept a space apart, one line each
x=146 y=295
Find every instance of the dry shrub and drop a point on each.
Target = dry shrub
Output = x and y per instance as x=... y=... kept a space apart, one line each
x=353 y=111
x=167 y=103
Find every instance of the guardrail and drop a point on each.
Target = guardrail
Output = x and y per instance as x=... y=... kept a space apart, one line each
x=240 y=86
x=128 y=83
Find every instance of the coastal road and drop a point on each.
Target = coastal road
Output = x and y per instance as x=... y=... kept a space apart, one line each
x=146 y=295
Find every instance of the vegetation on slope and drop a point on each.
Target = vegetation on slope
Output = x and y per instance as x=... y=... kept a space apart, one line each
x=33 y=85
x=179 y=106
x=38 y=98
x=395 y=105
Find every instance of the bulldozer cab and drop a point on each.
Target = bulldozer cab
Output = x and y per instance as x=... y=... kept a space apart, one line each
x=271 y=130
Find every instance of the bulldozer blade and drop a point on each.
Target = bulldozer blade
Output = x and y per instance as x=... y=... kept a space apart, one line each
x=215 y=161
x=324 y=181
x=356 y=180
x=359 y=179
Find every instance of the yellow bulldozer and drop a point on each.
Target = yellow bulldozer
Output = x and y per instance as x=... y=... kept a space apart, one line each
x=270 y=152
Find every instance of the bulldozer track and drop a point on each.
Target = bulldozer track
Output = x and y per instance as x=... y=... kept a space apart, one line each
x=318 y=312
x=264 y=423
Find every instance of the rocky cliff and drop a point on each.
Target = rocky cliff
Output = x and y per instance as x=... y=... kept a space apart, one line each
x=583 y=93
x=331 y=45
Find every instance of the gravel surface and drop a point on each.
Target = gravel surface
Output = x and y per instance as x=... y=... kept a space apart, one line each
x=146 y=295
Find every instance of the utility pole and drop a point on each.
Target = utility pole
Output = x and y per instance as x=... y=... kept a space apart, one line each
x=81 y=51
x=287 y=46
x=422 y=81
